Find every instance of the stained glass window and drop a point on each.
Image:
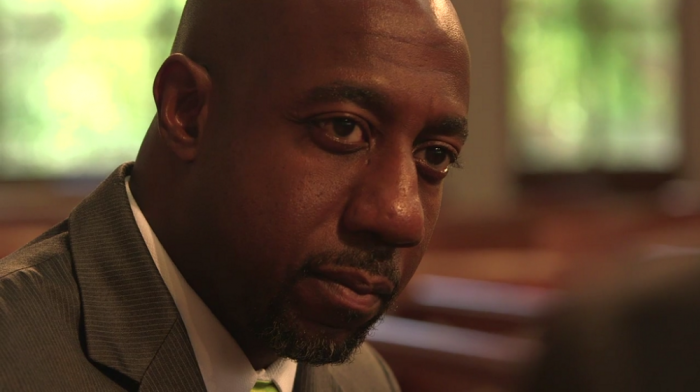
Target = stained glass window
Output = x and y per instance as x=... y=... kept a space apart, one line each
x=75 y=82
x=594 y=84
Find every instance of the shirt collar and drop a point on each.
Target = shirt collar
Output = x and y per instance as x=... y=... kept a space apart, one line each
x=221 y=361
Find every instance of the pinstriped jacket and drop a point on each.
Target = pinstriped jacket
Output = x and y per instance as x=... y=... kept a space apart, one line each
x=83 y=308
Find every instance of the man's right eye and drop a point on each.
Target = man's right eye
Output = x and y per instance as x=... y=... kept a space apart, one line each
x=342 y=133
x=347 y=129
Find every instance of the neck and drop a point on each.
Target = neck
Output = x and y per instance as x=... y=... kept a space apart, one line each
x=228 y=312
x=260 y=358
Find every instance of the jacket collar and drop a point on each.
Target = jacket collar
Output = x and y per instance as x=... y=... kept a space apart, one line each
x=127 y=311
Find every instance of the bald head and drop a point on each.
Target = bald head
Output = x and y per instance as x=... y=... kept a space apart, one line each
x=230 y=32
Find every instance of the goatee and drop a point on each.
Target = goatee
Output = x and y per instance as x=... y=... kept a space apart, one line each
x=280 y=328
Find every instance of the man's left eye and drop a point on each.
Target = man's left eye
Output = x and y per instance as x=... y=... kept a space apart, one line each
x=436 y=158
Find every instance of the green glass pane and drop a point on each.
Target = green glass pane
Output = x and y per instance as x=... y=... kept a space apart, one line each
x=594 y=85
x=76 y=79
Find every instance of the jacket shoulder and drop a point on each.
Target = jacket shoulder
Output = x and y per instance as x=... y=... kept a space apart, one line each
x=48 y=247
x=37 y=287
x=40 y=346
x=366 y=372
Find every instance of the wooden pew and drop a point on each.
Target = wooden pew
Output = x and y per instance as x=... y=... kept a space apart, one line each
x=433 y=357
x=486 y=306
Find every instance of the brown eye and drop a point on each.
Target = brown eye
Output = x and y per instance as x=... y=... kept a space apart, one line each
x=436 y=158
x=342 y=133
x=344 y=129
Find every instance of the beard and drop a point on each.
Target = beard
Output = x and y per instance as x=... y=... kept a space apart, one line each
x=280 y=328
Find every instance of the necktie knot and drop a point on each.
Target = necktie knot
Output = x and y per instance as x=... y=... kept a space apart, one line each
x=264 y=386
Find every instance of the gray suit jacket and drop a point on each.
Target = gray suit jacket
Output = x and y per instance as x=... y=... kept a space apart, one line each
x=83 y=308
x=637 y=331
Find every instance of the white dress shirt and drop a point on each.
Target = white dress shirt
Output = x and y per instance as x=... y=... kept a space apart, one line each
x=223 y=365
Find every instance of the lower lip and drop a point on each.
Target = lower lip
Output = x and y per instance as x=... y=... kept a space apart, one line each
x=323 y=298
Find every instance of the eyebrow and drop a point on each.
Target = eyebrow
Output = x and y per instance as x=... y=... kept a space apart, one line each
x=342 y=92
x=451 y=127
x=373 y=100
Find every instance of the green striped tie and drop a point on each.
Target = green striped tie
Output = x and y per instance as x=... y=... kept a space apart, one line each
x=264 y=386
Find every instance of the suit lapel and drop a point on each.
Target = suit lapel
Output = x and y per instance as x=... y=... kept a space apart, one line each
x=315 y=379
x=174 y=367
x=129 y=318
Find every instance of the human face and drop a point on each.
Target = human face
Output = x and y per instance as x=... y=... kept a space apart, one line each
x=319 y=180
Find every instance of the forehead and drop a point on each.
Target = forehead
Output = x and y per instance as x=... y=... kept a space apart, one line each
x=394 y=46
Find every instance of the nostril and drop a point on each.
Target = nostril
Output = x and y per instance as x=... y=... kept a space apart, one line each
x=387 y=227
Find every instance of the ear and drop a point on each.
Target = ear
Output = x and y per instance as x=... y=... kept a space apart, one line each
x=182 y=90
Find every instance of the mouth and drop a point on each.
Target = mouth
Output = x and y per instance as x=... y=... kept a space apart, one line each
x=330 y=293
x=358 y=281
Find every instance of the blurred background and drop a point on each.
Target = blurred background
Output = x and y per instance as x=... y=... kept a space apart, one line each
x=584 y=153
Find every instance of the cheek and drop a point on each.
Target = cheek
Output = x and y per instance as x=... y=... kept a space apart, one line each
x=280 y=203
x=431 y=199
x=301 y=195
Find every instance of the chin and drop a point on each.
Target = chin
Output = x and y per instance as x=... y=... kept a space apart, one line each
x=307 y=341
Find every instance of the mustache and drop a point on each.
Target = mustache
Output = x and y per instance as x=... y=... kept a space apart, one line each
x=380 y=262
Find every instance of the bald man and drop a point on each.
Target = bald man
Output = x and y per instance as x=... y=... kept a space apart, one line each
x=283 y=196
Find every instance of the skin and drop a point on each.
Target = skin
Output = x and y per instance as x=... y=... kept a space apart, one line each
x=292 y=133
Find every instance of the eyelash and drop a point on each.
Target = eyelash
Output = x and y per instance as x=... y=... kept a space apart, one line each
x=457 y=162
x=366 y=128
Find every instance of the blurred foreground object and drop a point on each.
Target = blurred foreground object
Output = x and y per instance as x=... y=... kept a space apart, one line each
x=636 y=331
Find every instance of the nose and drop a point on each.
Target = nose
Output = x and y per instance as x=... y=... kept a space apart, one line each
x=386 y=203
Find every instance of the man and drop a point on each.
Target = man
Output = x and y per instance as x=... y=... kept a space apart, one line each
x=283 y=196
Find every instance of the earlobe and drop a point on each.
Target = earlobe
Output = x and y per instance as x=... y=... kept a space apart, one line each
x=182 y=89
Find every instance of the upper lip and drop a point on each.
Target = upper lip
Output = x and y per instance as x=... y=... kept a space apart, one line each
x=357 y=280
